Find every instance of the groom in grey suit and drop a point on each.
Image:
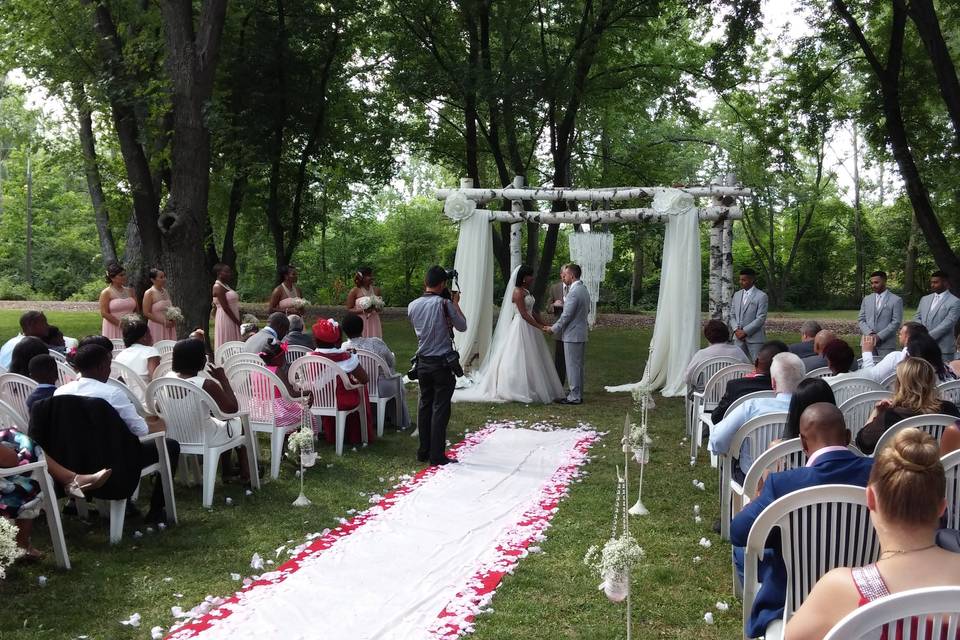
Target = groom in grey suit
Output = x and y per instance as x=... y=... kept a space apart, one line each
x=748 y=315
x=939 y=312
x=881 y=314
x=573 y=325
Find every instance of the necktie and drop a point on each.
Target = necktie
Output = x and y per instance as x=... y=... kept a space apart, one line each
x=879 y=305
x=935 y=303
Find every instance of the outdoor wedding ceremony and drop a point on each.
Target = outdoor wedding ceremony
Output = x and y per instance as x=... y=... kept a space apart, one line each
x=605 y=320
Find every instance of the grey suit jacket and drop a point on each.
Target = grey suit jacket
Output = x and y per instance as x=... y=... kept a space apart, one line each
x=941 y=322
x=886 y=324
x=259 y=340
x=572 y=323
x=751 y=318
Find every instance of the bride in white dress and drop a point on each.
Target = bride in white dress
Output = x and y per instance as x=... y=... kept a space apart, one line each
x=518 y=366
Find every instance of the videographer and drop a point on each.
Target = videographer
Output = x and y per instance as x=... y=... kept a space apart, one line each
x=436 y=364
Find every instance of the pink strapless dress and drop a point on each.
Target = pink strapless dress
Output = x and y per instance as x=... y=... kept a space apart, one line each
x=119 y=307
x=225 y=329
x=158 y=330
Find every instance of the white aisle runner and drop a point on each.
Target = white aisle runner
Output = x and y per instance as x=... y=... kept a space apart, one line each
x=433 y=548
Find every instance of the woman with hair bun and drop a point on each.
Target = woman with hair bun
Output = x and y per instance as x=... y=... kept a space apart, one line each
x=364 y=292
x=156 y=301
x=906 y=495
x=116 y=301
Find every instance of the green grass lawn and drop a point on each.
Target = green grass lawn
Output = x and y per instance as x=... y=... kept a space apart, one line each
x=551 y=595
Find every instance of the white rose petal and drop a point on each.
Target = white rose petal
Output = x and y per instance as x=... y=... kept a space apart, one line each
x=132 y=621
x=256 y=562
x=234 y=576
x=706 y=544
x=177 y=612
x=696 y=509
x=697 y=519
x=137 y=534
x=229 y=500
x=708 y=617
x=722 y=606
x=696 y=559
x=42 y=581
x=156 y=633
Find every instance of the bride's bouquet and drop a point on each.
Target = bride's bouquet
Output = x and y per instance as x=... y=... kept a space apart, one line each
x=174 y=314
x=370 y=303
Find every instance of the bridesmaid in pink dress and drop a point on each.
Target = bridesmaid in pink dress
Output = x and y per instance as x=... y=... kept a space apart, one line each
x=116 y=301
x=156 y=301
x=282 y=297
x=227 y=303
x=363 y=279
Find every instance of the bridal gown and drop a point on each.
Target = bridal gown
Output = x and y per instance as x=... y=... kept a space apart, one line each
x=518 y=367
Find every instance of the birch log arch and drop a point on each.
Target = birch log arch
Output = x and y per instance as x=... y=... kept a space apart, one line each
x=474 y=260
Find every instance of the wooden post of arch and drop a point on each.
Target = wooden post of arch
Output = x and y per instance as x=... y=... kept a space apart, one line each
x=516 y=228
x=715 y=304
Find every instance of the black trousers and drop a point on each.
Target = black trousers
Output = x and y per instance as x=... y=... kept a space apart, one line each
x=437 y=383
x=150 y=456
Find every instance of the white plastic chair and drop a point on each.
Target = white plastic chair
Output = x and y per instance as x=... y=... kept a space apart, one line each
x=758 y=433
x=890 y=382
x=59 y=357
x=733 y=405
x=118 y=345
x=166 y=357
x=48 y=499
x=243 y=358
x=856 y=410
x=14 y=390
x=129 y=378
x=295 y=351
x=951 y=468
x=255 y=387
x=377 y=369
x=162 y=369
x=847 y=388
x=707 y=400
x=320 y=375
x=226 y=350
x=65 y=373
x=164 y=346
x=938 y=607
x=820 y=372
x=932 y=423
x=701 y=374
x=186 y=409
x=821 y=528
x=950 y=390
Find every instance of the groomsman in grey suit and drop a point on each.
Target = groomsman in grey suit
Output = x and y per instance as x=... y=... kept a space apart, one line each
x=748 y=314
x=573 y=325
x=939 y=312
x=881 y=314
x=558 y=291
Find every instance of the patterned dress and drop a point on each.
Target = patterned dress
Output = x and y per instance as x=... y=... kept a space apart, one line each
x=18 y=494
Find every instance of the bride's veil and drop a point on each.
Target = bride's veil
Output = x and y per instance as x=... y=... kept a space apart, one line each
x=507 y=311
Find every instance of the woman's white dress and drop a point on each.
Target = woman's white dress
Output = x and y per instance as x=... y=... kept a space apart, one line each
x=518 y=367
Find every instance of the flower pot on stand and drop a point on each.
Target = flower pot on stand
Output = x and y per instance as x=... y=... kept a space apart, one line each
x=308 y=457
x=616 y=586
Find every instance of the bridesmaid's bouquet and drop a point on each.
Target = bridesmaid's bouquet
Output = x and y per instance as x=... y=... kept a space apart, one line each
x=174 y=314
x=370 y=303
x=9 y=551
x=298 y=304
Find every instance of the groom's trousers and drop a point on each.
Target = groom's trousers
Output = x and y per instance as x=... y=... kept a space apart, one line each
x=573 y=355
x=437 y=383
x=559 y=361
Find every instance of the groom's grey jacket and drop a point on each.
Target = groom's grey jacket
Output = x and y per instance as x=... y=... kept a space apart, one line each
x=572 y=323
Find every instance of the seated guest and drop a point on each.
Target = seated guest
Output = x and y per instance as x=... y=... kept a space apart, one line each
x=759 y=380
x=840 y=357
x=43 y=370
x=93 y=363
x=100 y=341
x=786 y=372
x=296 y=335
x=33 y=324
x=879 y=371
x=923 y=346
x=189 y=359
x=808 y=332
x=328 y=336
x=277 y=326
x=247 y=331
x=718 y=339
x=387 y=387
x=820 y=342
x=56 y=341
x=824 y=437
x=950 y=440
x=906 y=495
x=139 y=353
x=286 y=413
x=25 y=351
x=809 y=391
x=20 y=494
x=916 y=395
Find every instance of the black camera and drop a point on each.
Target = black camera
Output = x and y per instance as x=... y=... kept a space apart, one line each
x=413 y=374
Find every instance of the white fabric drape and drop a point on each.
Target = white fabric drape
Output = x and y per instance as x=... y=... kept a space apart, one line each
x=474 y=263
x=676 y=332
x=592 y=251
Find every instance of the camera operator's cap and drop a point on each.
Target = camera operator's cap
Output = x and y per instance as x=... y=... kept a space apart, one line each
x=326 y=330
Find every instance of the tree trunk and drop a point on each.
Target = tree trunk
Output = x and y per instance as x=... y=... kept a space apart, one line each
x=276 y=148
x=857 y=219
x=108 y=248
x=133 y=261
x=910 y=266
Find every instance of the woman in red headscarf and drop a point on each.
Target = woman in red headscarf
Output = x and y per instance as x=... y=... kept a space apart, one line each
x=327 y=334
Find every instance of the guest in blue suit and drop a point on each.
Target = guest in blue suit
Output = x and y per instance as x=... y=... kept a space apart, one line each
x=824 y=437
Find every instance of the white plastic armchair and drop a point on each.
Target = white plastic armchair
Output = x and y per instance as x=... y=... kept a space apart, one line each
x=951 y=468
x=256 y=388
x=707 y=400
x=295 y=351
x=847 y=388
x=931 y=613
x=819 y=372
x=129 y=378
x=118 y=345
x=377 y=369
x=56 y=355
x=890 y=382
x=65 y=373
x=320 y=375
x=701 y=374
x=757 y=433
x=162 y=369
x=226 y=350
x=48 y=499
x=821 y=528
x=733 y=405
x=934 y=424
x=856 y=410
x=950 y=390
x=164 y=346
x=243 y=358
x=14 y=390
x=186 y=409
